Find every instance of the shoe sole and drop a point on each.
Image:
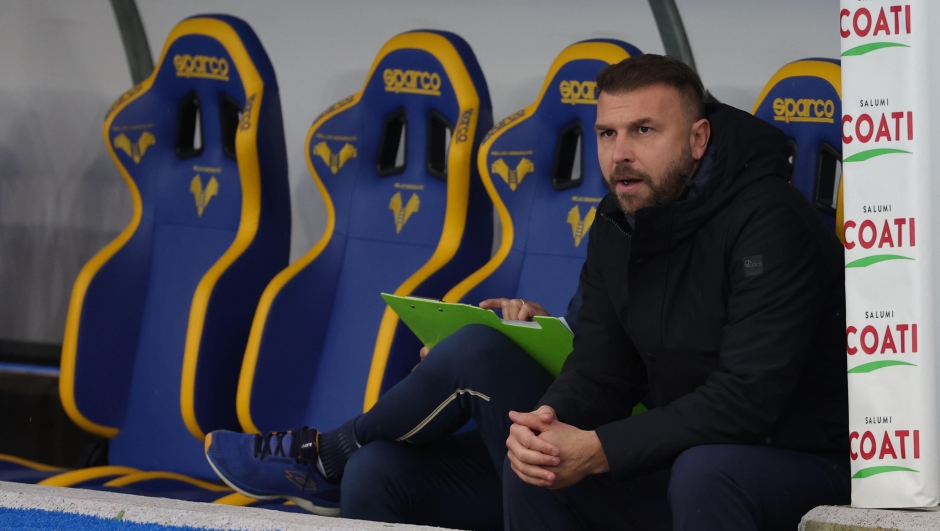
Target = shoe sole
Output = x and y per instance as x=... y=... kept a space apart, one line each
x=305 y=504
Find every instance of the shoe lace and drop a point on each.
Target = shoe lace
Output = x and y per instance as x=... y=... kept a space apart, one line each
x=301 y=439
x=263 y=447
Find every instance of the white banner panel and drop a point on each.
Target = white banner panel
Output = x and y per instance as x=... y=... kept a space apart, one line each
x=889 y=313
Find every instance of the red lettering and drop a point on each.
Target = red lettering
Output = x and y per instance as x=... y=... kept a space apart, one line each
x=848 y=348
x=910 y=125
x=886 y=236
x=883 y=130
x=901 y=434
x=887 y=448
x=897 y=22
x=858 y=128
x=888 y=342
x=902 y=328
x=846 y=139
x=869 y=330
x=852 y=437
x=882 y=24
x=867 y=436
x=898 y=116
x=913 y=243
x=916 y=444
x=914 y=338
x=907 y=17
x=900 y=223
x=867 y=224
x=858 y=30
x=845 y=14
x=845 y=229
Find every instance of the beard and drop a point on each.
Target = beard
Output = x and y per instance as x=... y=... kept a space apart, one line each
x=663 y=190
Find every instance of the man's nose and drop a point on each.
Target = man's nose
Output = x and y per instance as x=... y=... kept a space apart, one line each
x=623 y=150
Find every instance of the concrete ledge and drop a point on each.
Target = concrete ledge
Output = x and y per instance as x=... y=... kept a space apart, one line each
x=162 y=511
x=828 y=518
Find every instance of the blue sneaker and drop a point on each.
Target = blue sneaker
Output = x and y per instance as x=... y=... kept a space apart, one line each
x=271 y=466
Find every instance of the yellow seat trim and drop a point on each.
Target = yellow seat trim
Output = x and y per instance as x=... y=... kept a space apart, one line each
x=249 y=170
x=138 y=477
x=69 y=479
x=30 y=464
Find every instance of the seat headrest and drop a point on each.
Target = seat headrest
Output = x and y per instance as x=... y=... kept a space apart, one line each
x=804 y=99
x=540 y=167
x=407 y=138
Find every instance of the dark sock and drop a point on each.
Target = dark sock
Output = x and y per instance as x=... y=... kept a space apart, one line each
x=335 y=448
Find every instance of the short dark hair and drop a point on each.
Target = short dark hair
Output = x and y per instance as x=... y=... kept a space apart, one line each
x=649 y=69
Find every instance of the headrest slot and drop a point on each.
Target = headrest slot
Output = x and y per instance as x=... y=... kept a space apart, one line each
x=568 y=168
x=439 y=133
x=393 y=144
x=189 y=127
x=230 y=113
x=828 y=174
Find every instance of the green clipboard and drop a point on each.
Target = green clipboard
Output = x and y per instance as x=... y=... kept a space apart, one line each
x=547 y=339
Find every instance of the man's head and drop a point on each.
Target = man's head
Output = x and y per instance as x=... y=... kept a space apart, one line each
x=651 y=129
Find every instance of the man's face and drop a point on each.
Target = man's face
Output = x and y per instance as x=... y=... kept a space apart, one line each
x=646 y=143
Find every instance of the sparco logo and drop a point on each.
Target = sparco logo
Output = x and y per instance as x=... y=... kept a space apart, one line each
x=202 y=66
x=804 y=110
x=862 y=22
x=899 y=444
x=578 y=92
x=412 y=82
x=868 y=234
x=463 y=125
x=891 y=127
x=897 y=339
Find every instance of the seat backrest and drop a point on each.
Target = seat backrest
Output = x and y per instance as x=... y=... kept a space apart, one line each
x=406 y=213
x=804 y=99
x=540 y=168
x=159 y=318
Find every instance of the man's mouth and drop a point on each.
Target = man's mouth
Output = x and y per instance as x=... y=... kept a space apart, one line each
x=627 y=184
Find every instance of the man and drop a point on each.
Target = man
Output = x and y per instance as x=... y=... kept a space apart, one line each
x=401 y=461
x=711 y=284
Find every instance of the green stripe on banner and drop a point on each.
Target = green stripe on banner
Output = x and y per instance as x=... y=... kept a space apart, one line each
x=872 y=153
x=870 y=260
x=865 y=48
x=875 y=470
x=875 y=365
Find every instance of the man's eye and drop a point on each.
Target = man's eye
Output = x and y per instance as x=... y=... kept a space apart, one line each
x=608 y=133
x=643 y=129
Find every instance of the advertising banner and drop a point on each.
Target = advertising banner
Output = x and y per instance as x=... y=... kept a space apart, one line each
x=887 y=200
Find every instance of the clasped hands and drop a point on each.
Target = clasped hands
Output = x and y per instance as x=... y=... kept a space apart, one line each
x=545 y=452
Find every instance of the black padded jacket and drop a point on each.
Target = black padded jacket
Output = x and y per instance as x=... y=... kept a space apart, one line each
x=727 y=307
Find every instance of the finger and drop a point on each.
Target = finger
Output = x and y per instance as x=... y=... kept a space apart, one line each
x=424 y=352
x=531 y=474
x=532 y=449
x=545 y=411
x=506 y=308
x=527 y=479
x=491 y=304
x=529 y=420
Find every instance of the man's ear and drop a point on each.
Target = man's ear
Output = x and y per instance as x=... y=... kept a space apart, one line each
x=698 y=138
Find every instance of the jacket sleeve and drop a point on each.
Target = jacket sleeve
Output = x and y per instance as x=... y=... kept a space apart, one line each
x=772 y=318
x=603 y=377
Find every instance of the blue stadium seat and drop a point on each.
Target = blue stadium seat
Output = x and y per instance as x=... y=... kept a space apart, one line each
x=406 y=213
x=159 y=319
x=540 y=168
x=804 y=99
